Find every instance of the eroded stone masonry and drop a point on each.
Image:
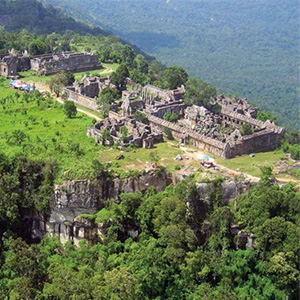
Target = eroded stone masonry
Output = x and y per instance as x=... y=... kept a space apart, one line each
x=47 y=64
x=219 y=134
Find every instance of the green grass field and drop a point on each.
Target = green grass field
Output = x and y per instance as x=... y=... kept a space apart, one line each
x=251 y=165
x=32 y=76
x=4 y=90
x=49 y=134
x=140 y=158
x=101 y=72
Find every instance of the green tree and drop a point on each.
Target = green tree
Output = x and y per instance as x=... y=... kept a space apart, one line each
x=70 y=109
x=155 y=70
x=56 y=85
x=246 y=129
x=67 y=78
x=119 y=77
x=105 y=100
x=67 y=283
x=171 y=117
x=128 y=55
x=198 y=92
x=173 y=77
x=117 y=284
x=38 y=46
x=125 y=134
x=141 y=64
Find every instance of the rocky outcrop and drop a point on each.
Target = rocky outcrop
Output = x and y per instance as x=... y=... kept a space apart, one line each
x=74 y=199
x=78 y=197
x=229 y=189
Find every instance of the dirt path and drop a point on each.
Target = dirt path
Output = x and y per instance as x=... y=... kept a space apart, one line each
x=91 y=115
x=192 y=154
x=107 y=70
x=46 y=88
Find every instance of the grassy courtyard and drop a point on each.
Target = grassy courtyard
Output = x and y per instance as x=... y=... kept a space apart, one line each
x=31 y=76
x=251 y=165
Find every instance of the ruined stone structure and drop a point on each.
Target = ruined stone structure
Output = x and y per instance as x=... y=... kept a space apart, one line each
x=86 y=91
x=240 y=106
x=151 y=92
x=69 y=61
x=91 y=86
x=131 y=103
x=218 y=134
x=153 y=100
x=110 y=131
x=13 y=63
x=84 y=101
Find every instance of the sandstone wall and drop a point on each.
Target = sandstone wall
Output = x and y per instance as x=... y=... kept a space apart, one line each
x=186 y=135
x=81 y=100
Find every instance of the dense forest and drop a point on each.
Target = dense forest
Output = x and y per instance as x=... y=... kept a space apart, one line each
x=185 y=248
x=244 y=48
x=35 y=17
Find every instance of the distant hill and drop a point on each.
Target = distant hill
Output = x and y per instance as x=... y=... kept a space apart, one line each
x=33 y=16
x=248 y=48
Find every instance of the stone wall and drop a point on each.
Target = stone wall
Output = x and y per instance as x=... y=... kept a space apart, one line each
x=160 y=110
x=9 y=66
x=186 y=135
x=266 y=139
x=80 y=99
x=135 y=86
x=261 y=141
x=13 y=63
x=237 y=119
x=69 y=61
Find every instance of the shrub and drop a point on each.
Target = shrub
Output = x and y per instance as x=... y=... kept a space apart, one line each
x=70 y=109
x=246 y=129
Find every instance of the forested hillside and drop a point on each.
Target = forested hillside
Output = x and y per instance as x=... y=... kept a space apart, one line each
x=241 y=47
x=35 y=17
x=185 y=249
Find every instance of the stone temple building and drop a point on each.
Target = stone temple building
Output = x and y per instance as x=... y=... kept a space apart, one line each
x=86 y=91
x=109 y=132
x=13 y=63
x=69 y=61
x=220 y=134
x=91 y=86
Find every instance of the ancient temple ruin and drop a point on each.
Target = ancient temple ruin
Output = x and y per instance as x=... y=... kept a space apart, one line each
x=86 y=91
x=219 y=134
x=124 y=131
x=48 y=64
x=13 y=63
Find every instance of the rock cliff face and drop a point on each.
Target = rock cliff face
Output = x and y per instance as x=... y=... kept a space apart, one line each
x=74 y=198
x=77 y=197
